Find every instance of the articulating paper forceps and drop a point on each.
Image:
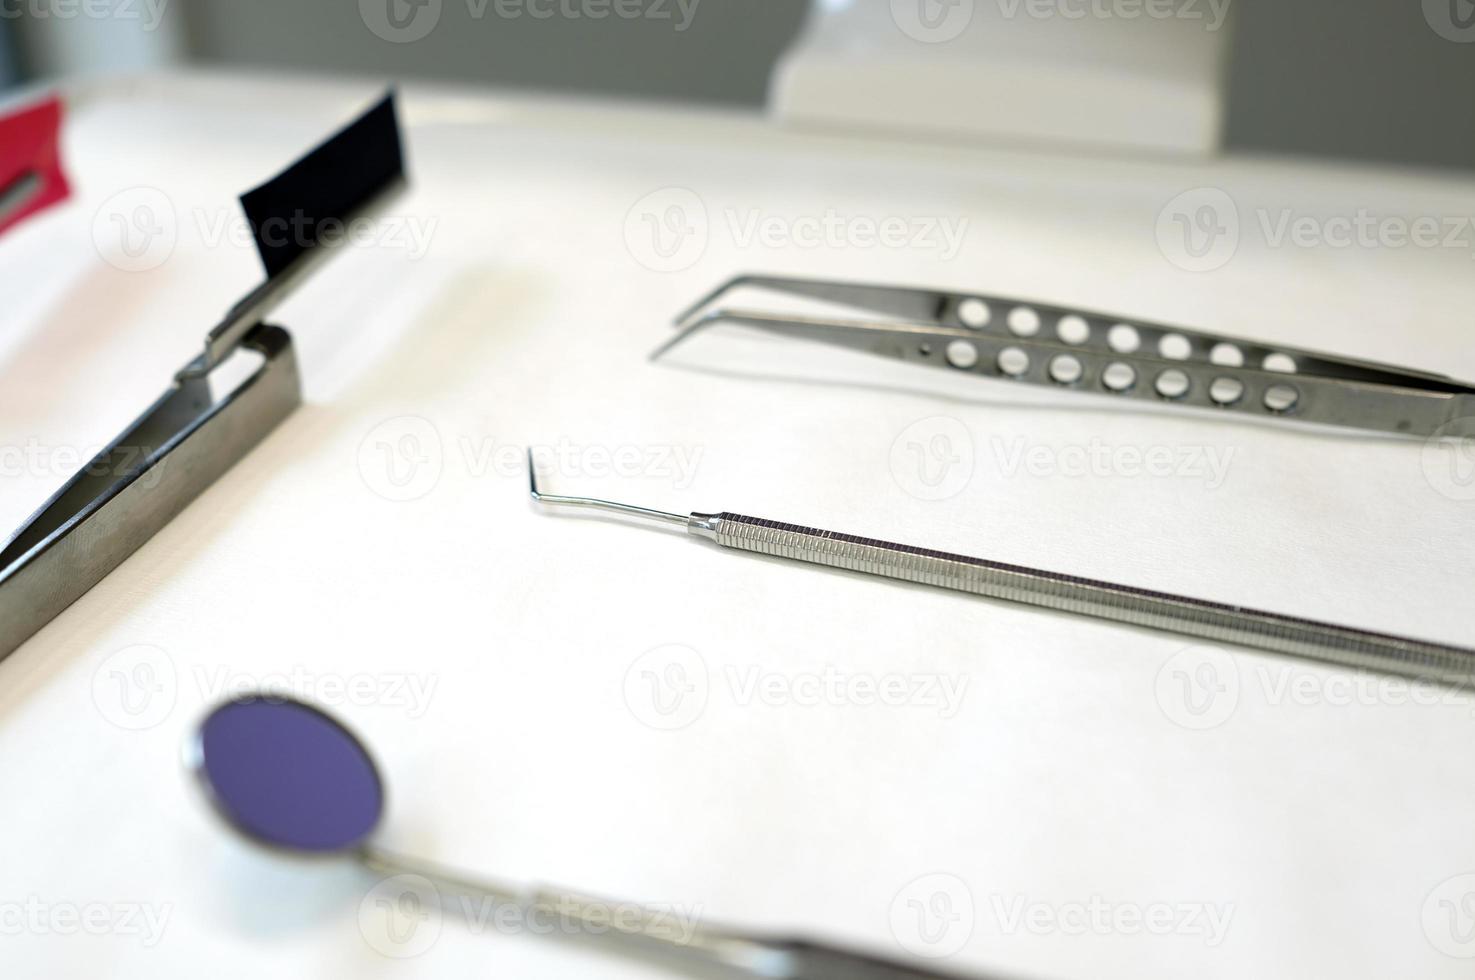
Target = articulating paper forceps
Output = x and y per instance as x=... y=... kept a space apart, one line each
x=189 y=438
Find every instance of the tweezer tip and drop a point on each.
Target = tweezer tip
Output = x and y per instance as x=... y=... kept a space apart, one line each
x=685 y=332
x=711 y=297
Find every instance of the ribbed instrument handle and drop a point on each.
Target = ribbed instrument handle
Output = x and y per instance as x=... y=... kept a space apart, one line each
x=1211 y=621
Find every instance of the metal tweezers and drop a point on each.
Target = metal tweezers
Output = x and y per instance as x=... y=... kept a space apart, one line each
x=189 y=438
x=1124 y=357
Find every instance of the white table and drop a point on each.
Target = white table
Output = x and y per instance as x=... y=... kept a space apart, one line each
x=1083 y=818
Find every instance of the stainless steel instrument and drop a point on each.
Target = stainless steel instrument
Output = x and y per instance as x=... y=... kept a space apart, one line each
x=1088 y=351
x=190 y=437
x=736 y=952
x=1205 y=620
x=287 y=776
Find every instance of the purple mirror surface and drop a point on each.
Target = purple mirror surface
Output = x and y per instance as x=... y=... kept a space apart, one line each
x=289 y=775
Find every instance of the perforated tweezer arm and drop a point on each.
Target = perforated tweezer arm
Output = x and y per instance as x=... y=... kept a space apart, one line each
x=1083 y=350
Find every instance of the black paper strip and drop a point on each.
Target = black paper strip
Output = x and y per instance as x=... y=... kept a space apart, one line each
x=318 y=195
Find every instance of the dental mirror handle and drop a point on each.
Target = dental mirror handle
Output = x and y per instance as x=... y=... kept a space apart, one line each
x=812 y=961
x=746 y=954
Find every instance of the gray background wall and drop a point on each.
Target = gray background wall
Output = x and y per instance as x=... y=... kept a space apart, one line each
x=9 y=71
x=1370 y=80
x=723 y=56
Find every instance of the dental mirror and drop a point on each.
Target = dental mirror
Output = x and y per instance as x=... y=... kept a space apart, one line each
x=289 y=776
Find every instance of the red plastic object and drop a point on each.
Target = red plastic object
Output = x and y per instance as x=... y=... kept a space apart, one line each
x=31 y=178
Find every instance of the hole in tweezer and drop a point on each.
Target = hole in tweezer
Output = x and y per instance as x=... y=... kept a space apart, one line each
x=238 y=367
